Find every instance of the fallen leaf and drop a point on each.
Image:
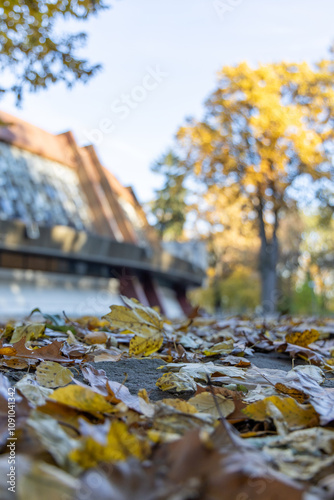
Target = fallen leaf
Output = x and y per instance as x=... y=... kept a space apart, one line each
x=15 y=363
x=291 y=413
x=30 y=331
x=49 y=352
x=120 y=445
x=180 y=405
x=53 y=437
x=225 y=347
x=304 y=453
x=96 y=338
x=145 y=346
x=302 y=339
x=178 y=381
x=216 y=405
x=7 y=351
x=31 y=390
x=138 y=319
x=82 y=398
x=51 y=374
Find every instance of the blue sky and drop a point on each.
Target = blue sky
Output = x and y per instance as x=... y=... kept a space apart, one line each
x=160 y=60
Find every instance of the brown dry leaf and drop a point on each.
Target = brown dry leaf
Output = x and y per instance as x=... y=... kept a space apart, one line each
x=50 y=352
x=107 y=355
x=302 y=339
x=52 y=375
x=194 y=464
x=96 y=338
x=16 y=363
x=294 y=393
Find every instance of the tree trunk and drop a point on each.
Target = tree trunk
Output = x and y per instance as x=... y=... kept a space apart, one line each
x=268 y=266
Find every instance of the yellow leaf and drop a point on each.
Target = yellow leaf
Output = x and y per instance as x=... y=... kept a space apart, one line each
x=82 y=398
x=7 y=351
x=294 y=414
x=302 y=339
x=142 y=393
x=145 y=346
x=51 y=374
x=32 y=331
x=206 y=403
x=140 y=320
x=221 y=348
x=180 y=405
x=178 y=381
x=120 y=444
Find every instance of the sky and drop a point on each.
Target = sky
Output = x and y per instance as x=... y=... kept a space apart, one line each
x=160 y=59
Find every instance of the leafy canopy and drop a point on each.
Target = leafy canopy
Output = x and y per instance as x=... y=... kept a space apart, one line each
x=263 y=129
x=33 y=53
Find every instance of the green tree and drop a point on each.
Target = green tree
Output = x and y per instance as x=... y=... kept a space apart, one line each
x=264 y=129
x=33 y=54
x=169 y=206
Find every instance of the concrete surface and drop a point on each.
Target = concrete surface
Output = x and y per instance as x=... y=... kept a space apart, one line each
x=143 y=373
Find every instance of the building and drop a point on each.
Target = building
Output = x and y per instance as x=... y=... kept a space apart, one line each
x=72 y=237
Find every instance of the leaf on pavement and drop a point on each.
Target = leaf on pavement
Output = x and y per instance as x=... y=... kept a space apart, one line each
x=291 y=413
x=82 y=398
x=301 y=352
x=216 y=405
x=225 y=347
x=51 y=374
x=302 y=339
x=145 y=346
x=178 y=381
x=322 y=399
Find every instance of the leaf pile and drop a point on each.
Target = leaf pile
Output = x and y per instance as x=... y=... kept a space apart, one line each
x=222 y=426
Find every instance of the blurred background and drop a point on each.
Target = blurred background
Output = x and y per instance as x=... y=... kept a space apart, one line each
x=198 y=169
